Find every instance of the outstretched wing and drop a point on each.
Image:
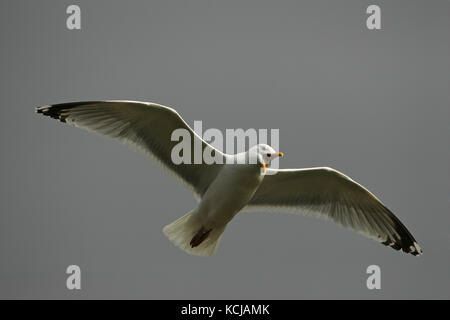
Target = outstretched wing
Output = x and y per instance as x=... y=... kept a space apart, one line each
x=330 y=194
x=146 y=126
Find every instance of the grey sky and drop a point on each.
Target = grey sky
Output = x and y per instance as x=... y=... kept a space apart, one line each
x=372 y=104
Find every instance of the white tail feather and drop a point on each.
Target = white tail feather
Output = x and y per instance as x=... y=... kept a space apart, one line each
x=182 y=230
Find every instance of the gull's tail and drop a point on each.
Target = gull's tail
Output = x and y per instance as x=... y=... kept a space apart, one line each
x=190 y=235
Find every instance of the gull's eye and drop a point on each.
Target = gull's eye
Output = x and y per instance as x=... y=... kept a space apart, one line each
x=269 y=155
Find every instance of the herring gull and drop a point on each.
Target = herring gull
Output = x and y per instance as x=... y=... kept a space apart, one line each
x=226 y=187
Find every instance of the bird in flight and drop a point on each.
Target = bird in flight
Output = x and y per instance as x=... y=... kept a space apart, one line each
x=227 y=187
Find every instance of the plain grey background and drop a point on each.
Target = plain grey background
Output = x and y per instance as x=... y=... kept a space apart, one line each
x=372 y=104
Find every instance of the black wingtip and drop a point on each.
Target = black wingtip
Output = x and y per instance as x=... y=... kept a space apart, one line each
x=51 y=111
x=403 y=239
x=41 y=109
x=57 y=111
x=415 y=249
x=408 y=246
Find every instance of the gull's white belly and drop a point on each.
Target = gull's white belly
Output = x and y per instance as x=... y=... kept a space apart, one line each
x=228 y=194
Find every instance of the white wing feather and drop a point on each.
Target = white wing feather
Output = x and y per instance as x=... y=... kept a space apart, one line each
x=329 y=194
x=146 y=126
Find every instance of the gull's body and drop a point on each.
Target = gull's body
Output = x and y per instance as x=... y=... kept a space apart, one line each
x=233 y=188
x=229 y=186
x=231 y=191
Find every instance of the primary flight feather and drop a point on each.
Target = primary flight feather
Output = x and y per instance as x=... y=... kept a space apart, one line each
x=237 y=182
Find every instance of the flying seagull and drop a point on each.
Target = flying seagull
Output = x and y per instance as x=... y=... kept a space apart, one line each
x=224 y=188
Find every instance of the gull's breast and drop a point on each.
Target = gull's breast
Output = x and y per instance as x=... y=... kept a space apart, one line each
x=233 y=188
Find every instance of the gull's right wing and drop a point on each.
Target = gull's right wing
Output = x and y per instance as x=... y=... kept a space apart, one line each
x=329 y=194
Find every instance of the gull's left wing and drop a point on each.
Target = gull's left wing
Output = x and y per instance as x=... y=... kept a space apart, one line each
x=147 y=127
x=329 y=194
